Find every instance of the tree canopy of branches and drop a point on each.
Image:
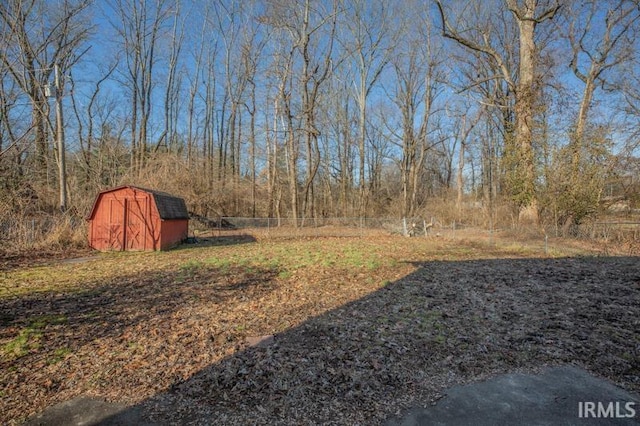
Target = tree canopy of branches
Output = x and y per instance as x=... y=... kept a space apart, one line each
x=326 y=108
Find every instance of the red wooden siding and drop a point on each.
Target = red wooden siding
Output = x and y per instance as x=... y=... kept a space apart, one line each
x=128 y=218
x=173 y=231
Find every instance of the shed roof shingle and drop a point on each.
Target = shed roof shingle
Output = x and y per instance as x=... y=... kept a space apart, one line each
x=169 y=206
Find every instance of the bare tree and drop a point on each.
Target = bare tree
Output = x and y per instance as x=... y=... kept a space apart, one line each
x=311 y=31
x=597 y=48
x=601 y=37
x=194 y=78
x=228 y=21
x=9 y=140
x=89 y=125
x=169 y=135
x=30 y=57
x=285 y=125
x=315 y=70
x=341 y=151
x=252 y=50
x=419 y=83
x=528 y=14
x=139 y=25
x=465 y=122
x=370 y=45
x=213 y=117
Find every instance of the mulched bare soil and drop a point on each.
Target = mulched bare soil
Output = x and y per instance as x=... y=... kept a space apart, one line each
x=350 y=346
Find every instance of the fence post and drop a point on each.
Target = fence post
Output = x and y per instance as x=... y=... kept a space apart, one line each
x=546 y=246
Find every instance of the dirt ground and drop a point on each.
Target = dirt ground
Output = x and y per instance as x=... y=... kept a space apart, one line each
x=362 y=327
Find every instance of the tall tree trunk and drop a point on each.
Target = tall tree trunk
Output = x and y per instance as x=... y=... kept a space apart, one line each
x=519 y=153
x=252 y=148
x=460 y=178
x=525 y=99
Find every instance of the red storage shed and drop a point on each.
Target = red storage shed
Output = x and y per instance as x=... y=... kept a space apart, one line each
x=133 y=218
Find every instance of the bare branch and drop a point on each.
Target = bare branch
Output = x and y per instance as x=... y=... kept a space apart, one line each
x=449 y=32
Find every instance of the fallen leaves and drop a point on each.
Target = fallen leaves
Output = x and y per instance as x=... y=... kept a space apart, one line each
x=309 y=331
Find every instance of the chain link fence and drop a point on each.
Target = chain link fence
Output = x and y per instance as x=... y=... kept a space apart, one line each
x=25 y=233
x=15 y=231
x=599 y=237
x=303 y=227
x=611 y=231
x=621 y=237
x=596 y=238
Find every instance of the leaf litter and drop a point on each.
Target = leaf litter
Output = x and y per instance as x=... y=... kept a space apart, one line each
x=355 y=329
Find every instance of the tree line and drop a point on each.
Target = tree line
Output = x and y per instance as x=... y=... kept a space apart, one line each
x=519 y=111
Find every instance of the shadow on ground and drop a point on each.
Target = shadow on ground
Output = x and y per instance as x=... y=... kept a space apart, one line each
x=448 y=323
x=216 y=240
